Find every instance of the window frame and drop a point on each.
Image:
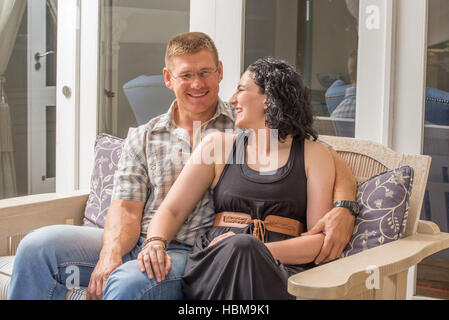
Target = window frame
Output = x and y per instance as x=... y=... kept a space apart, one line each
x=67 y=110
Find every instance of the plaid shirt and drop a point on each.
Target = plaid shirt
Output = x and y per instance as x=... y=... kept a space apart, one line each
x=152 y=158
x=346 y=108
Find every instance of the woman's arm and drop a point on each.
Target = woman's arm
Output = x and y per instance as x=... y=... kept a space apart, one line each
x=197 y=176
x=190 y=186
x=320 y=172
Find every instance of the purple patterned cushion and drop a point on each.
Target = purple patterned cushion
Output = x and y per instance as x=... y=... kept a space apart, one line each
x=384 y=203
x=108 y=150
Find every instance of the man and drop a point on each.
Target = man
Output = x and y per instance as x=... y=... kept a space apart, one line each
x=346 y=108
x=152 y=158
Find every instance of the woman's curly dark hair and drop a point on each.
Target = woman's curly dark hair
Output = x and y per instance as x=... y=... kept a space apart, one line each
x=288 y=99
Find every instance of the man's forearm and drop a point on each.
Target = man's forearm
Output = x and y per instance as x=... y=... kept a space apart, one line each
x=337 y=225
x=345 y=187
x=122 y=228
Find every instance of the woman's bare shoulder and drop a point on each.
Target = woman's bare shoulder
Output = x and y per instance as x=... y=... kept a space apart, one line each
x=315 y=147
x=218 y=145
x=316 y=155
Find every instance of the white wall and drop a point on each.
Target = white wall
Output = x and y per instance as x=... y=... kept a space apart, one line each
x=222 y=20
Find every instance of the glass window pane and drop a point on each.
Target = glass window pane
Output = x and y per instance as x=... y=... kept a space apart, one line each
x=27 y=87
x=51 y=45
x=433 y=279
x=134 y=36
x=51 y=142
x=320 y=39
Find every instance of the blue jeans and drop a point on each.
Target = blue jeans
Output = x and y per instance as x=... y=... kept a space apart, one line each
x=52 y=259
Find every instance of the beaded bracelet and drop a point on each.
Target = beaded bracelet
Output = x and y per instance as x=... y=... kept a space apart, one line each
x=147 y=241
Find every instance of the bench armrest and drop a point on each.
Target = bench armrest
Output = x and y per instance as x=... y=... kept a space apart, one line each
x=18 y=216
x=337 y=279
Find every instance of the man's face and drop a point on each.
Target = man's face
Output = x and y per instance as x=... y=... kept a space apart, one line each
x=195 y=79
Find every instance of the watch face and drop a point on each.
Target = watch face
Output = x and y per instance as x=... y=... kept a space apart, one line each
x=355 y=208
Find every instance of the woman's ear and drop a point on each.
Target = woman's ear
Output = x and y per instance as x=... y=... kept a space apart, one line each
x=266 y=104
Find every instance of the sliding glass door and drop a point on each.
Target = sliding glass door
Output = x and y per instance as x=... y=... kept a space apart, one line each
x=134 y=35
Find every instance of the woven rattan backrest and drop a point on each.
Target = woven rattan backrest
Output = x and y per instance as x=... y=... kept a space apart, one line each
x=367 y=159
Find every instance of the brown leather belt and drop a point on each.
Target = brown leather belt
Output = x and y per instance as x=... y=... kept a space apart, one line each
x=273 y=223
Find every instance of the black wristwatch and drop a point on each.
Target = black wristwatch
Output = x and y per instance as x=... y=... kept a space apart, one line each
x=353 y=206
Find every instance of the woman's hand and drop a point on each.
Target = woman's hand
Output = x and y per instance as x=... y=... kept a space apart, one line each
x=221 y=237
x=154 y=260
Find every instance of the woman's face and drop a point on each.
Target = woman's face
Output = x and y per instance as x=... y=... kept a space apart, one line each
x=249 y=103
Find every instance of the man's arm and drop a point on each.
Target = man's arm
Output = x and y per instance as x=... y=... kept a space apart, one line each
x=121 y=233
x=122 y=226
x=345 y=187
x=338 y=223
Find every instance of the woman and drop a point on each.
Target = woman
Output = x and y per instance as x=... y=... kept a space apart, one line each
x=255 y=244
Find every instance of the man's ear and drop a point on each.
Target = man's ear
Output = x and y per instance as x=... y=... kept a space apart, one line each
x=167 y=78
x=220 y=71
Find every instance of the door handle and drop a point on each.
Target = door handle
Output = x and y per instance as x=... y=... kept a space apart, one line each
x=38 y=56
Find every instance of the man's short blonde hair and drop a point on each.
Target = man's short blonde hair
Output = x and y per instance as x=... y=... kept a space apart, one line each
x=190 y=43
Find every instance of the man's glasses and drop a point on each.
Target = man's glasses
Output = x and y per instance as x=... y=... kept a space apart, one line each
x=189 y=76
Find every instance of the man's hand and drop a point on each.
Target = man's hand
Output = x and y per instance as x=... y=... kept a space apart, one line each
x=337 y=226
x=100 y=275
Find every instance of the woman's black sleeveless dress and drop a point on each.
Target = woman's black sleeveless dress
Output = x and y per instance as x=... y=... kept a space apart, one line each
x=240 y=266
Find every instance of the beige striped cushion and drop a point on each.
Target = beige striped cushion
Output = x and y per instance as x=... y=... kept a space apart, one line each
x=6 y=264
x=76 y=294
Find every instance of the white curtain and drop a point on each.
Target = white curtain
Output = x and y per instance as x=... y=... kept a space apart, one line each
x=11 y=12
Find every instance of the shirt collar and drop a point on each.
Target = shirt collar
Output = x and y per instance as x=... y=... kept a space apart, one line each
x=226 y=109
x=165 y=121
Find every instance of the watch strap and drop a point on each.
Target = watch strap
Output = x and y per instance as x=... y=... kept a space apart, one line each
x=353 y=206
